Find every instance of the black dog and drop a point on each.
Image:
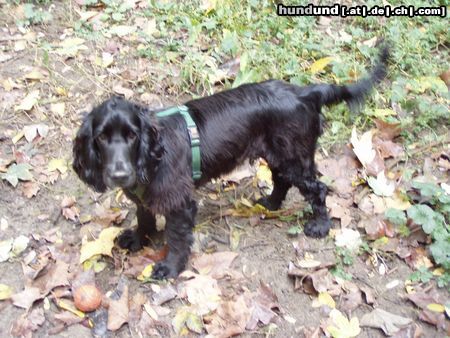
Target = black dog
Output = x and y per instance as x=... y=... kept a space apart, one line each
x=122 y=144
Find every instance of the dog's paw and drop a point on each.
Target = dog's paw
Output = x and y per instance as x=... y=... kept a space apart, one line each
x=318 y=227
x=130 y=240
x=268 y=203
x=164 y=270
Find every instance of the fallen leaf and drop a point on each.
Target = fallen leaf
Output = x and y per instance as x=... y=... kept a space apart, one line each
x=19 y=245
x=27 y=297
x=127 y=93
x=30 y=132
x=122 y=30
x=363 y=149
x=387 y=131
x=388 y=322
x=36 y=74
x=320 y=64
x=186 y=317
x=381 y=185
x=348 y=238
x=28 y=101
x=164 y=295
x=322 y=299
x=201 y=291
x=118 y=306
x=215 y=264
x=262 y=306
x=58 y=108
x=387 y=148
x=341 y=327
x=59 y=164
x=18 y=172
x=230 y=318
x=101 y=246
x=30 y=189
x=5 y=249
x=5 y=291
x=70 y=47
x=27 y=323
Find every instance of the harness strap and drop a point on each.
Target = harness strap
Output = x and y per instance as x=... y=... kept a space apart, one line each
x=193 y=136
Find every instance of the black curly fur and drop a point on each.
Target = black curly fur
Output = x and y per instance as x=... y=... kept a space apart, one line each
x=274 y=120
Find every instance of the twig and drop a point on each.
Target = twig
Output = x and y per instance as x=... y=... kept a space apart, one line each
x=393 y=162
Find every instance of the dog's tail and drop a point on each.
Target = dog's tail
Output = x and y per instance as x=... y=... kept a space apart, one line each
x=354 y=94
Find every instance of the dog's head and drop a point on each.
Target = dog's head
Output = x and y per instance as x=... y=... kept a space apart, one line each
x=117 y=146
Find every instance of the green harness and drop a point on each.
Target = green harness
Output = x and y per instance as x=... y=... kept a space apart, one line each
x=193 y=135
x=195 y=144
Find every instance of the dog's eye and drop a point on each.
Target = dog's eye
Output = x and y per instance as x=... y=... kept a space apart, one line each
x=131 y=136
x=103 y=137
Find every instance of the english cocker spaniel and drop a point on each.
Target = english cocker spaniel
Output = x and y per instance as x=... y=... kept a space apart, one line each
x=123 y=144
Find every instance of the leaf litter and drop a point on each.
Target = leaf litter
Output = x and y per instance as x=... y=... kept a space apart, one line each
x=215 y=299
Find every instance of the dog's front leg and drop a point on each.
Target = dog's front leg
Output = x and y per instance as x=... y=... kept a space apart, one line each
x=134 y=240
x=179 y=238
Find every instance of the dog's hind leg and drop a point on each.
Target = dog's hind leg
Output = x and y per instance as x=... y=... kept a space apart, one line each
x=315 y=193
x=179 y=225
x=280 y=189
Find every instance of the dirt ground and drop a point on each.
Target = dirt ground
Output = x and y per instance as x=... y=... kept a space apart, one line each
x=264 y=247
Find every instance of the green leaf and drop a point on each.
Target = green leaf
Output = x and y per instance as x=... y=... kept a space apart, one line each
x=441 y=253
x=423 y=215
x=245 y=77
x=294 y=230
x=395 y=216
x=18 y=172
x=230 y=42
x=427 y=189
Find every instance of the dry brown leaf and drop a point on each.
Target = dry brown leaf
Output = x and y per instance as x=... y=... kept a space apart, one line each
x=215 y=264
x=118 y=306
x=164 y=295
x=230 y=318
x=24 y=325
x=388 y=322
x=387 y=148
x=262 y=307
x=30 y=189
x=27 y=297
x=387 y=131
x=201 y=291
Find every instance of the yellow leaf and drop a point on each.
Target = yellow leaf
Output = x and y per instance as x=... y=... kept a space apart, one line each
x=71 y=42
x=263 y=174
x=324 y=298
x=146 y=273
x=58 y=164
x=61 y=91
x=436 y=307
x=68 y=307
x=343 y=328
x=382 y=112
x=397 y=201
x=29 y=101
x=438 y=272
x=18 y=136
x=36 y=74
x=5 y=291
x=101 y=246
x=320 y=64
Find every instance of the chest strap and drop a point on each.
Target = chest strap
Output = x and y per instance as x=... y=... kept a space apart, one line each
x=193 y=136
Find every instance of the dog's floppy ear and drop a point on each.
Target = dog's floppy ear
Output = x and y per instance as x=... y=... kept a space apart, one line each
x=150 y=147
x=86 y=159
